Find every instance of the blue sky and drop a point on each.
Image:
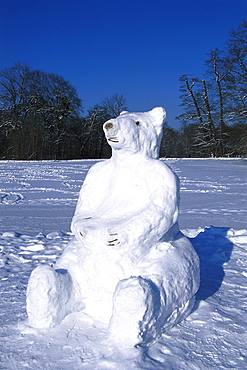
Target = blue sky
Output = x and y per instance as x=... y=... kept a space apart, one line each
x=137 y=48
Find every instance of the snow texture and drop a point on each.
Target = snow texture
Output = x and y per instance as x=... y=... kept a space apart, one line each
x=213 y=191
x=128 y=266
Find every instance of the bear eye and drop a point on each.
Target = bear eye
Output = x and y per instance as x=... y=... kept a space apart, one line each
x=137 y=123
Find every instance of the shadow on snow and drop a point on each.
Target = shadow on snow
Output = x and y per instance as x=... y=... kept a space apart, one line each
x=214 y=249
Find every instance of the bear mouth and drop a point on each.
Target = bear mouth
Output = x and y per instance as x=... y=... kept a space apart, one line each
x=113 y=139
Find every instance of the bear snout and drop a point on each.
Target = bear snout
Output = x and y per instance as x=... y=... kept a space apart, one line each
x=108 y=125
x=111 y=132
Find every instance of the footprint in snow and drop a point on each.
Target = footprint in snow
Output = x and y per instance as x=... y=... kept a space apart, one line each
x=11 y=198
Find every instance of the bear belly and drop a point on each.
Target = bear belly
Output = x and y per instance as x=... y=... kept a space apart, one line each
x=120 y=194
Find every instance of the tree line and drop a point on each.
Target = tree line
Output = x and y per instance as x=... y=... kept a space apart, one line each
x=41 y=115
x=215 y=107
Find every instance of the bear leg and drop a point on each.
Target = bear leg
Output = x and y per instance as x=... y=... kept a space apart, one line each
x=48 y=293
x=136 y=306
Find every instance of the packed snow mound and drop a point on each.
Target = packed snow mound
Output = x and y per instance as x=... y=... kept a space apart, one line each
x=213 y=336
x=128 y=266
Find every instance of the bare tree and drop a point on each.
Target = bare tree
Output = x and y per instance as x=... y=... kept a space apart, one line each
x=114 y=105
x=198 y=112
x=218 y=72
x=236 y=53
x=93 y=144
x=220 y=98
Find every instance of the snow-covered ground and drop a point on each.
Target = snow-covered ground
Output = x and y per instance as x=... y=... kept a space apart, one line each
x=37 y=202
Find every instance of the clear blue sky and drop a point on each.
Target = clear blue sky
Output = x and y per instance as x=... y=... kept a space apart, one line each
x=138 y=48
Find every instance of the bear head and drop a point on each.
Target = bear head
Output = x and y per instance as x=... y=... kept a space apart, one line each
x=136 y=132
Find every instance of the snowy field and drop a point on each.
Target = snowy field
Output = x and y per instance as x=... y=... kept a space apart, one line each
x=37 y=202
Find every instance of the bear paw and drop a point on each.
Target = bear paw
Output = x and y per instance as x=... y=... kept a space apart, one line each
x=47 y=295
x=135 y=308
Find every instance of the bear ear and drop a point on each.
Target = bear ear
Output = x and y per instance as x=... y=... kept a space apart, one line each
x=158 y=115
x=124 y=112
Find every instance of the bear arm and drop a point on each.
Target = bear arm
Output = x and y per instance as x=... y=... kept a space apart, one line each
x=150 y=225
x=83 y=211
x=153 y=223
x=162 y=213
x=85 y=205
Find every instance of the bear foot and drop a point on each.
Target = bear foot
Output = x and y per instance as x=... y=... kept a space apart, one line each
x=136 y=305
x=47 y=294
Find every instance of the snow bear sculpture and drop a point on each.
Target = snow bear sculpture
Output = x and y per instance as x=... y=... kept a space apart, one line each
x=128 y=265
